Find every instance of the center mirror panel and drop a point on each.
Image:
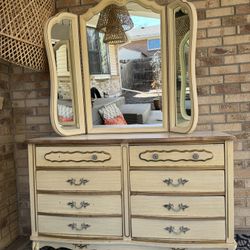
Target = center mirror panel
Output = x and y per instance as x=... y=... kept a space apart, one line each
x=124 y=52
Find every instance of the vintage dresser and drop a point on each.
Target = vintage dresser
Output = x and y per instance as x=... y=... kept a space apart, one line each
x=132 y=192
x=130 y=186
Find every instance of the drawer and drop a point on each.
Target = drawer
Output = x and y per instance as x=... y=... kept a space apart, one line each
x=177 y=181
x=80 y=204
x=79 y=180
x=177 y=155
x=78 y=156
x=179 y=230
x=178 y=207
x=80 y=226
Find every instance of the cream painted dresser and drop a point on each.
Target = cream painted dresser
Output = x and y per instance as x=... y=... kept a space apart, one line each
x=132 y=192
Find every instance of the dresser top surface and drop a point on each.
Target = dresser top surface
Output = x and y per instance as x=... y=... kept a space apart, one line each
x=199 y=136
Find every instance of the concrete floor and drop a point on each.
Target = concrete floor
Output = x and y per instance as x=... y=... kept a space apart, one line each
x=22 y=243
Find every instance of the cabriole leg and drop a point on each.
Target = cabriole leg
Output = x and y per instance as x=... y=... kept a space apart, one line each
x=35 y=245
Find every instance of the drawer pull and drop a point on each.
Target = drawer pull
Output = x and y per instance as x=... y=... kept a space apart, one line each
x=155 y=156
x=73 y=204
x=173 y=248
x=83 y=226
x=180 y=181
x=195 y=156
x=182 y=230
x=80 y=246
x=181 y=207
x=82 y=181
x=94 y=157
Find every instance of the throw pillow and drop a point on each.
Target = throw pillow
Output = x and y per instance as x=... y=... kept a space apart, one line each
x=112 y=115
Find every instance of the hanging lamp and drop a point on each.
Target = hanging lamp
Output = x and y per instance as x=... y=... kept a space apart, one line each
x=21 y=32
x=114 y=21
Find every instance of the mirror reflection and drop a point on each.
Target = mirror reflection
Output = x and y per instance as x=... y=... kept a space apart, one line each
x=182 y=35
x=61 y=38
x=124 y=50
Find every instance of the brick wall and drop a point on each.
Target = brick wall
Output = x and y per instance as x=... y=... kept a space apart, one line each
x=30 y=102
x=8 y=197
x=223 y=78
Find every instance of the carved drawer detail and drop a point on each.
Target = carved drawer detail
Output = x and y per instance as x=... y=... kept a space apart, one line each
x=78 y=156
x=177 y=155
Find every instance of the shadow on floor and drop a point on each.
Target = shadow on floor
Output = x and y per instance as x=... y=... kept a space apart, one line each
x=22 y=243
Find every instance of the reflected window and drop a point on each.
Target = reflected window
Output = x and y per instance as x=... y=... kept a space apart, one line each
x=98 y=53
x=154 y=44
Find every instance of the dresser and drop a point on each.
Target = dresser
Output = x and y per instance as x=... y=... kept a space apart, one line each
x=132 y=191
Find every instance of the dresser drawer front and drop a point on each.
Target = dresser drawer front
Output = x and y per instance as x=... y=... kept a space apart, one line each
x=179 y=230
x=78 y=156
x=177 y=181
x=80 y=204
x=80 y=226
x=177 y=155
x=180 y=206
x=79 y=180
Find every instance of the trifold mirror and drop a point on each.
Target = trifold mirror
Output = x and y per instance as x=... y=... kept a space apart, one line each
x=138 y=64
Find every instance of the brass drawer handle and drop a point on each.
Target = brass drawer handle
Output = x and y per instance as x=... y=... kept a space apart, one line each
x=83 y=226
x=80 y=246
x=180 y=182
x=82 y=181
x=182 y=230
x=181 y=207
x=195 y=156
x=73 y=204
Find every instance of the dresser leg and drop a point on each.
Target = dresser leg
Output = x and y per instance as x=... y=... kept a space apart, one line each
x=35 y=245
x=232 y=248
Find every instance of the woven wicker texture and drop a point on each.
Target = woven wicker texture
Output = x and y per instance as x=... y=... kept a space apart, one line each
x=21 y=32
x=114 y=21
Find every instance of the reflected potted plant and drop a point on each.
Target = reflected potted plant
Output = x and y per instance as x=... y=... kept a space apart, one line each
x=157 y=84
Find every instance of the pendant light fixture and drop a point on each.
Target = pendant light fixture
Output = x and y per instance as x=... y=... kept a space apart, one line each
x=114 y=21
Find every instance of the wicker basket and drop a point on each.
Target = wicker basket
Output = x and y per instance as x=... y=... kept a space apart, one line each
x=21 y=31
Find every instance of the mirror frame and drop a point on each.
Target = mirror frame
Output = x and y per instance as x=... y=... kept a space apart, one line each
x=192 y=122
x=87 y=85
x=78 y=104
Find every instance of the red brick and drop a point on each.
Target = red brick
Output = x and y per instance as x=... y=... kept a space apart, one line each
x=244 y=29
x=234 y=20
x=224 y=50
x=243 y=9
x=225 y=89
